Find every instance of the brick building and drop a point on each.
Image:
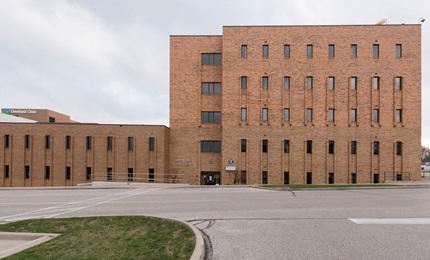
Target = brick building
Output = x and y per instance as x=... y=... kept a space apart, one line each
x=297 y=104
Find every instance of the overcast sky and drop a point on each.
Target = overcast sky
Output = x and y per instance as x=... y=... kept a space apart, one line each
x=107 y=61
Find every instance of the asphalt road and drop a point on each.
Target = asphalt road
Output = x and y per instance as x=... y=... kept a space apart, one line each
x=249 y=223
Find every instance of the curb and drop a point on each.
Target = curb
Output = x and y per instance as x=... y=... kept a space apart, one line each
x=27 y=240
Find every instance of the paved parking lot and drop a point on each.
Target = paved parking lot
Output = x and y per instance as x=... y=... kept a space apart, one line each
x=249 y=223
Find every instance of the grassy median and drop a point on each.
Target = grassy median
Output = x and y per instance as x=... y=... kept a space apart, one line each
x=131 y=237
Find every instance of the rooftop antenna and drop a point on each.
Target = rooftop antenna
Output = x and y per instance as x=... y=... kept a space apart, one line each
x=383 y=21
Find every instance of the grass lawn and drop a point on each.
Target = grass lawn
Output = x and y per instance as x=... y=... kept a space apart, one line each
x=131 y=237
x=319 y=186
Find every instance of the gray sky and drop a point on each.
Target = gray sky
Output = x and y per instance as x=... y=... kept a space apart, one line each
x=107 y=61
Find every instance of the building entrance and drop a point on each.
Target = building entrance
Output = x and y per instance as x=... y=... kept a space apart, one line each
x=210 y=178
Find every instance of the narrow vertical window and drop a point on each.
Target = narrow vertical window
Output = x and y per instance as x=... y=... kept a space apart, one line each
x=331 y=115
x=47 y=172
x=6 y=171
x=89 y=142
x=309 y=83
x=244 y=82
x=331 y=147
x=309 y=115
x=398 y=115
x=353 y=115
x=330 y=83
x=398 y=83
x=375 y=51
x=6 y=141
x=27 y=141
x=68 y=173
x=353 y=50
x=353 y=178
x=308 y=177
x=286 y=51
x=88 y=174
x=243 y=145
x=353 y=147
x=309 y=51
x=244 y=51
x=243 y=115
x=375 y=147
x=286 y=114
x=375 y=83
x=286 y=146
x=286 y=177
x=130 y=176
x=151 y=143
x=109 y=174
x=353 y=83
x=68 y=142
x=47 y=141
x=27 y=172
x=286 y=83
x=376 y=115
x=331 y=51
x=130 y=143
x=331 y=178
x=265 y=114
x=265 y=146
x=265 y=51
x=309 y=146
x=398 y=148
x=398 y=50
x=264 y=178
x=265 y=82
x=109 y=143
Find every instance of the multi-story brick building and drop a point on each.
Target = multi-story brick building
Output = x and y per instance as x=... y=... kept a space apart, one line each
x=297 y=104
x=258 y=104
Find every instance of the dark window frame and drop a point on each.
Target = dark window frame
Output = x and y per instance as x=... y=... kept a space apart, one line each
x=27 y=171
x=89 y=142
x=353 y=82
x=399 y=115
x=47 y=141
x=287 y=51
x=88 y=173
x=243 y=145
x=130 y=143
x=210 y=146
x=376 y=51
x=376 y=82
x=331 y=51
x=27 y=141
x=264 y=146
x=244 y=51
x=109 y=145
x=68 y=142
x=6 y=141
x=331 y=115
x=6 y=171
x=376 y=147
x=399 y=148
x=353 y=115
x=47 y=172
x=309 y=146
x=243 y=114
x=354 y=51
x=286 y=146
x=68 y=173
x=265 y=115
x=243 y=82
x=151 y=143
x=265 y=82
x=398 y=83
x=286 y=114
x=265 y=51
x=331 y=83
x=309 y=115
x=309 y=82
x=211 y=59
x=212 y=88
x=211 y=117
x=287 y=82
x=331 y=147
x=376 y=118
x=399 y=50
x=353 y=147
x=309 y=51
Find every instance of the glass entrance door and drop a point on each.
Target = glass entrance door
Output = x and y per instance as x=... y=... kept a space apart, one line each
x=210 y=178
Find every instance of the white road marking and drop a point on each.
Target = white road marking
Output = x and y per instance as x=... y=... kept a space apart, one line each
x=54 y=211
x=391 y=221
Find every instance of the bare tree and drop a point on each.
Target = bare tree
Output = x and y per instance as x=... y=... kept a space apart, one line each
x=425 y=154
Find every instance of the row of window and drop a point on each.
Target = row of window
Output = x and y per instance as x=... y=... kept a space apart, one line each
x=330 y=180
x=215 y=146
x=89 y=142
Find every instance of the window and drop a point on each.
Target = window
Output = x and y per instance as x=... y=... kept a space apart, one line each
x=287 y=51
x=353 y=115
x=309 y=83
x=331 y=178
x=353 y=83
x=375 y=83
x=130 y=143
x=286 y=177
x=264 y=177
x=308 y=177
x=398 y=148
x=244 y=51
x=398 y=115
x=6 y=141
x=68 y=142
x=376 y=147
x=398 y=83
x=211 y=117
x=243 y=114
x=330 y=83
x=309 y=146
x=130 y=175
x=242 y=177
x=331 y=147
x=6 y=171
x=109 y=143
x=353 y=178
x=376 y=115
x=88 y=174
x=27 y=172
x=211 y=87
x=331 y=115
x=27 y=141
x=309 y=51
x=309 y=115
x=47 y=141
x=286 y=146
x=376 y=178
x=243 y=82
x=353 y=147
x=265 y=145
x=398 y=50
x=210 y=146
x=265 y=114
x=51 y=119
x=68 y=172
x=47 y=172
x=375 y=51
x=109 y=174
x=151 y=143
x=89 y=142
x=286 y=114
x=265 y=82
x=286 y=83
x=353 y=50
x=211 y=59
x=265 y=51
x=331 y=51
x=243 y=145
x=151 y=175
